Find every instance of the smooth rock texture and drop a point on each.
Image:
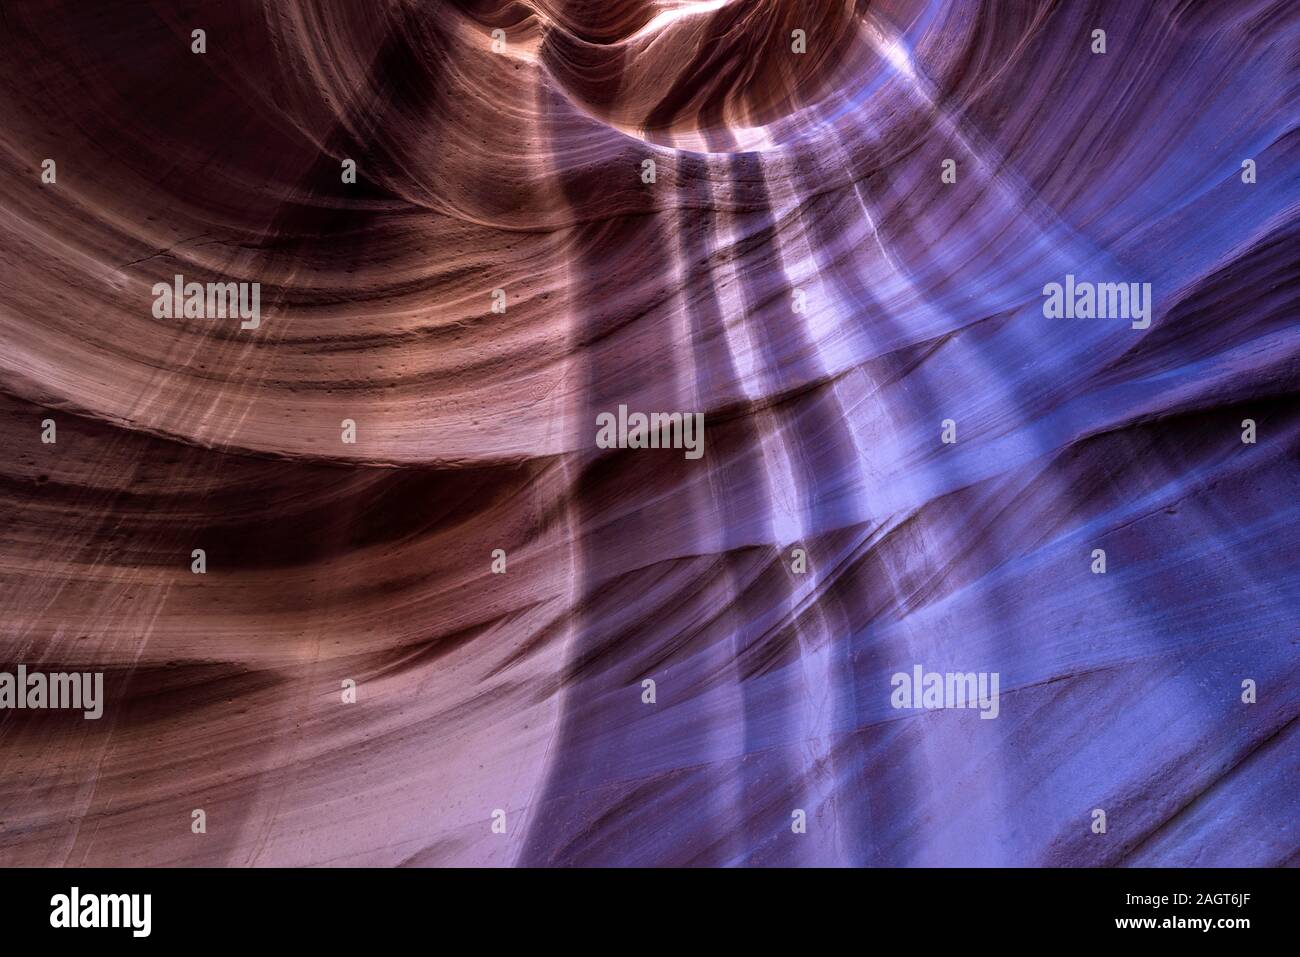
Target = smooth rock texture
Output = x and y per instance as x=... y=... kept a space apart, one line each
x=776 y=172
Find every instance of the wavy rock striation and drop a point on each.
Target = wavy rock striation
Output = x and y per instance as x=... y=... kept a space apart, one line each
x=800 y=271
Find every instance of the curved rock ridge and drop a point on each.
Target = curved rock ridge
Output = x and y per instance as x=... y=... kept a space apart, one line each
x=368 y=585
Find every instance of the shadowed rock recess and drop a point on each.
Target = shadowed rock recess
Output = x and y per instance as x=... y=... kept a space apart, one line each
x=907 y=463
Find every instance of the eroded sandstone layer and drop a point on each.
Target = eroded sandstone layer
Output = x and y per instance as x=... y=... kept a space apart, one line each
x=907 y=464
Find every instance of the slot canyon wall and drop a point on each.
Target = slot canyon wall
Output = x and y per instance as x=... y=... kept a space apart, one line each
x=907 y=463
